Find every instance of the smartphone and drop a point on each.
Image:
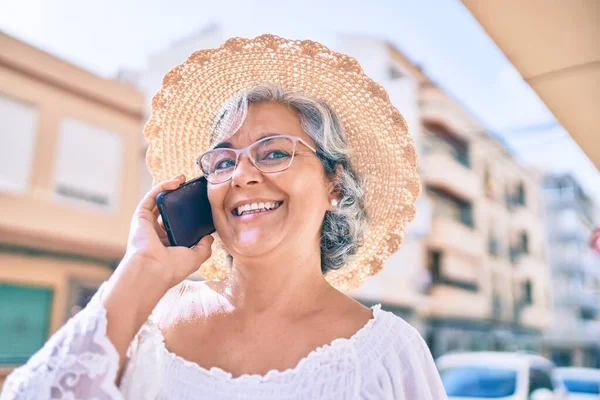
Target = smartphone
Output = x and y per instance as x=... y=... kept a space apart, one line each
x=186 y=213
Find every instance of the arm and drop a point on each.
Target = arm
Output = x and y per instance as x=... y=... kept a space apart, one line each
x=84 y=359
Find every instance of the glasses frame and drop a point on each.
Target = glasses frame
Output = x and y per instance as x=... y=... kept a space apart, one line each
x=246 y=151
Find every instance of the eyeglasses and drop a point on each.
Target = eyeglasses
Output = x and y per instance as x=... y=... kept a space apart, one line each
x=271 y=154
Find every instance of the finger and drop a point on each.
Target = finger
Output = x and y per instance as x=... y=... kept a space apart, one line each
x=156 y=211
x=161 y=223
x=149 y=200
x=204 y=248
x=164 y=239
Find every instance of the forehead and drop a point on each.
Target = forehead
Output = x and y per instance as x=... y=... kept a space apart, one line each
x=267 y=118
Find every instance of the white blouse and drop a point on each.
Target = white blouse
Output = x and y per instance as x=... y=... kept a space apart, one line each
x=385 y=359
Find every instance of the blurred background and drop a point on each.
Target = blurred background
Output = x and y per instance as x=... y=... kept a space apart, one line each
x=501 y=97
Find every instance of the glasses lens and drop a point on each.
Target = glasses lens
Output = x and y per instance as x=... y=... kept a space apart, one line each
x=273 y=154
x=218 y=165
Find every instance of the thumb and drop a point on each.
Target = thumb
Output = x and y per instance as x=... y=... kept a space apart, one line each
x=203 y=248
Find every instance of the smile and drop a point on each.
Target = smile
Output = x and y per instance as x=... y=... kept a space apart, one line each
x=255 y=208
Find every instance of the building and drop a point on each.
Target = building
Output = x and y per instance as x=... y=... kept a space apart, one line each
x=70 y=167
x=572 y=217
x=478 y=277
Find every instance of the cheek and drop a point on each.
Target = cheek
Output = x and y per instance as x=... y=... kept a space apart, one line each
x=308 y=193
x=216 y=197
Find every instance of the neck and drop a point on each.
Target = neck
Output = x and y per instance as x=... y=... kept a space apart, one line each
x=279 y=282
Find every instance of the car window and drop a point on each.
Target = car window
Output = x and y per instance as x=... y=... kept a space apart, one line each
x=582 y=386
x=479 y=381
x=539 y=379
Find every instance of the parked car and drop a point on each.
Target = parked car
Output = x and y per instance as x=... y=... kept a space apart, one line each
x=498 y=375
x=581 y=383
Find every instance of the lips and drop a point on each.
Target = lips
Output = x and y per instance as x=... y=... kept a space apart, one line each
x=257 y=207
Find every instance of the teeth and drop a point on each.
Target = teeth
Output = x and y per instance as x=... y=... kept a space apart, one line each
x=256 y=206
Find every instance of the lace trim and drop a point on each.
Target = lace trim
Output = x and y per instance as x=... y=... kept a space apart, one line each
x=220 y=374
x=78 y=360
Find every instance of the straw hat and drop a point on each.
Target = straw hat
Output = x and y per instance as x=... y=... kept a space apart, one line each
x=185 y=108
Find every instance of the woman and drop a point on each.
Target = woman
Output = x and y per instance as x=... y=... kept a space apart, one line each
x=300 y=150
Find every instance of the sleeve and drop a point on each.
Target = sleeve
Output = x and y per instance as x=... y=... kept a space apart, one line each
x=420 y=377
x=77 y=362
x=406 y=369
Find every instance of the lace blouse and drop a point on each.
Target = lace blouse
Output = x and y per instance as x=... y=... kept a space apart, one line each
x=385 y=359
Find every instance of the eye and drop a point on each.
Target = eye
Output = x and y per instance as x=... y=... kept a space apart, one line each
x=224 y=164
x=275 y=154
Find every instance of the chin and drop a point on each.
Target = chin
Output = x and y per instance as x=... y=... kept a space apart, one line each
x=253 y=244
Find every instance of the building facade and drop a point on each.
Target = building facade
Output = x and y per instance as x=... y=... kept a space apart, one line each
x=478 y=277
x=69 y=181
x=572 y=217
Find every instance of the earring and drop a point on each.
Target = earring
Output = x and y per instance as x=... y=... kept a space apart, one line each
x=334 y=202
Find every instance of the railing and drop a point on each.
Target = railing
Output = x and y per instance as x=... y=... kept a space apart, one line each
x=440 y=279
x=434 y=143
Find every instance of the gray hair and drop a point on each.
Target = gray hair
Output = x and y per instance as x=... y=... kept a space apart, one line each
x=343 y=229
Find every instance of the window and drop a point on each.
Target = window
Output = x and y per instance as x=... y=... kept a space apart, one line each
x=515 y=197
x=524 y=242
x=479 y=381
x=437 y=275
x=539 y=379
x=493 y=246
x=527 y=293
x=449 y=206
x=24 y=321
x=18 y=126
x=496 y=306
x=435 y=265
x=438 y=138
x=561 y=358
x=394 y=73
x=89 y=165
x=520 y=196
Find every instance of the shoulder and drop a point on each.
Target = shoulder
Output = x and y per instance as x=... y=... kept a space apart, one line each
x=187 y=297
x=394 y=354
x=387 y=332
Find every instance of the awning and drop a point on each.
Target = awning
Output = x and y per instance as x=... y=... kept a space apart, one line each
x=555 y=45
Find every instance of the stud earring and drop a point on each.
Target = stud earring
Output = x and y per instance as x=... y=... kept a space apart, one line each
x=334 y=202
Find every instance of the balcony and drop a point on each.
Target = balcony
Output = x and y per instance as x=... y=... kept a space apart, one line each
x=524 y=260
x=453 y=235
x=435 y=106
x=585 y=299
x=442 y=170
x=450 y=301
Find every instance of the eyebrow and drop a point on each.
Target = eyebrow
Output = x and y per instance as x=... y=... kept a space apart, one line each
x=228 y=145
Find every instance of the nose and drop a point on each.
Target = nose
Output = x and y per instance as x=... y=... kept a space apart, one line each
x=245 y=173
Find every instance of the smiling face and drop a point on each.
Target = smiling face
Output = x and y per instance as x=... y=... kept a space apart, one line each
x=294 y=201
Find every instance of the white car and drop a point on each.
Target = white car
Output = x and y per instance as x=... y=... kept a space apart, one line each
x=498 y=375
x=581 y=383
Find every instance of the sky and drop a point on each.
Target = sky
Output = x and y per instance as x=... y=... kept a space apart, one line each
x=439 y=35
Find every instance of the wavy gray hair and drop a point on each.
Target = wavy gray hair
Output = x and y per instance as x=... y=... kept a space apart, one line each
x=343 y=229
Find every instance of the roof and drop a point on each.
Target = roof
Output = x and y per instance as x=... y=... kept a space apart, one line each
x=578 y=372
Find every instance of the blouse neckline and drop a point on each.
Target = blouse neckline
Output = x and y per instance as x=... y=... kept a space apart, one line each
x=221 y=374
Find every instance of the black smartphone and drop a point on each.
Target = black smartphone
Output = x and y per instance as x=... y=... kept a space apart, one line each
x=186 y=213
